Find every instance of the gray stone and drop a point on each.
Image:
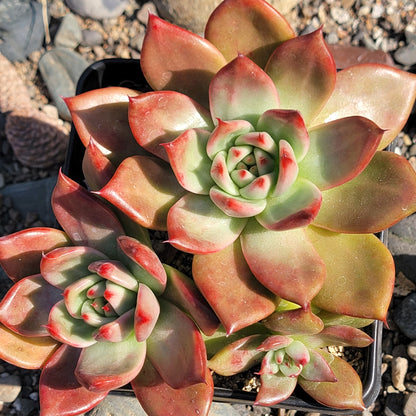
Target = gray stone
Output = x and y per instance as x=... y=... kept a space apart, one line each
x=10 y=387
x=399 y=366
x=117 y=404
x=411 y=350
x=69 y=34
x=91 y=38
x=98 y=9
x=406 y=55
x=409 y=408
x=404 y=314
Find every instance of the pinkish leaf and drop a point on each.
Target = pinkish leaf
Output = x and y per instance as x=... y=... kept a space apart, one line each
x=173 y=58
x=345 y=393
x=339 y=151
x=148 y=201
x=285 y=262
x=158 y=398
x=85 y=218
x=144 y=263
x=274 y=389
x=288 y=169
x=379 y=197
x=21 y=252
x=259 y=31
x=116 y=272
x=274 y=342
x=25 y=352
x=381 y=93
x=196 y=225
x=241 y=91
x=160 y=117
x=106 y=366
x=304 y=73
x=146 y=313
x=176 y=348
x=190 y=162
x=317 y=369
x=182 y=292
x=65 y=265
x=220 y=175
x=59 y=391
x=229 y=286
x=25 y=307
x=117 y=330
x=298 y=352
x=286 y=125
x=102 y=115
x=298 y=207
x=359 y=273
x=238 y=356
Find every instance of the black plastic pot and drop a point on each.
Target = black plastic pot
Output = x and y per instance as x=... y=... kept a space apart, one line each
x=127 y=73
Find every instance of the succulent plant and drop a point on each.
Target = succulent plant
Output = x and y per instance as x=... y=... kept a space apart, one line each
x=96 y=309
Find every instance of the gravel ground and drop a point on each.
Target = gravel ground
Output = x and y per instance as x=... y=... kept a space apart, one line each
x=386 y=25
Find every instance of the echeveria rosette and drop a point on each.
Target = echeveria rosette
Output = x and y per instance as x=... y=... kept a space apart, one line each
x=93 y=306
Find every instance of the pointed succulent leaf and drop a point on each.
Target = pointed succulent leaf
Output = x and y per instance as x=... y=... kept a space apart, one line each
x=304 y=73
x=259 y=31
x=380 y=93
x=160 y=117
x=144 y=263
x=317 y=369
x=345 y=393
x=238 y=356
x=229 y=286
x=382 y=195
x=148 y=203
x=285 y=262
x=21 y=252
x=274 y=342
x=133 y=229
x=25 y=352
x=288 y=169
x=176 y=348
x=68 y=330
x=241 y=91
x=91 y=313
x=183 y=292
x=106 y=366
x=189 y=161
x=85 y=218
x=295 y=321
x=274 y=389
x=359 y=274
x=60 y=393
x=221 y=176
x=330 y=319
x=175 y=59
x=102 y=115
x=286 y=125
x=197 y=225
x=116 y=272
x=157 y=397
x=146 y=313
x=25 y=308
x=298 y=207
x=65 y=265
x=96 y=167
x=120 y=298
x=117 y=330
x=260 y=187
x=339 y=151
x=298 y=352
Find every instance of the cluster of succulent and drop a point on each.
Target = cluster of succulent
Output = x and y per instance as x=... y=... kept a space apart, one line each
x=261 y=162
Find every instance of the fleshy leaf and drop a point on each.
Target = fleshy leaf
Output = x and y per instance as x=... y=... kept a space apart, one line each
x=288 y=169
x=189 y=161
x=64 y=266
x=382 y=195
x=196 y=225
x=25 y=352
x=176 y=348
x=339 y=151
x=317 y=369
x=21 y=252
x=259 y=31
x=102 y=115
x=229 y=286
x=59 y=391
x=173 y=58
x=345 y=393
x=146 y=313
x=157 y=397
x=242 y=91
x=106 y=366
x=116 y=272
x=154 y=190
x=304 y=73
x=381 y=93
x=238 y=356
x=274 y=342
x=274 y=389
x=25 y=308
x=85 y=218
x=359 y=273
x=117 y=330
x=182 y=292
x=285 y=262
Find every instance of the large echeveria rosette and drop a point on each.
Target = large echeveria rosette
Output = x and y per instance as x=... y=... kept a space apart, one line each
x=278 y=188
x=96 y=309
